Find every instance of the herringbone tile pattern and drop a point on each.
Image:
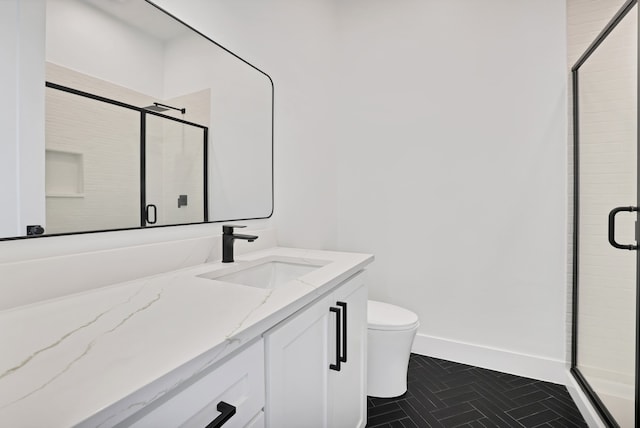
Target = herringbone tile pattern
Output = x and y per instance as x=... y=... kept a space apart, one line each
x=446 y=394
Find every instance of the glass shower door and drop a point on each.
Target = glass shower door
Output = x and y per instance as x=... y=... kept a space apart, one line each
x=605 y=293
x=175 y=171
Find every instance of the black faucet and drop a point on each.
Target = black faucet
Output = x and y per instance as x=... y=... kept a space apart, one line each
x=228 y=237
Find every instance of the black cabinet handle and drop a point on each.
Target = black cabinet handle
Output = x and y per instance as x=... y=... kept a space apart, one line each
x=336 y=366
x=612 y=228
x=343 y=305
x=147 y=211
x=226 y=412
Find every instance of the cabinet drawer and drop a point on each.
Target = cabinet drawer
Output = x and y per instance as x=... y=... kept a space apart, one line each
x=238 y=382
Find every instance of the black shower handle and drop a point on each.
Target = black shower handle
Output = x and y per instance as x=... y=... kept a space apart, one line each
x=147 y=211
x=612 y=228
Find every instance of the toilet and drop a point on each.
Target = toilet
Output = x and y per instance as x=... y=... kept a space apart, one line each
x=390 y=334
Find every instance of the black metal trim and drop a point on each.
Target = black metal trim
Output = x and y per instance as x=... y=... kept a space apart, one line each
x=143 y=169
x=272 y=149
x=90 y=95
x=637 y=366
x=575 y=371
x=336 y=366
x=343 y=354
x=122 y=229
x=206 y=173
x=206 y=37
x=14 y=238
x=272 y=107
x=576 y=223
x=118 y=103
x=637 y=391
x=595 y=400
x=613 y=23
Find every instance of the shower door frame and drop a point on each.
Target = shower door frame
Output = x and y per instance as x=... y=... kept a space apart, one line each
x=143 y=162
x=575 y=371
x=143 y=165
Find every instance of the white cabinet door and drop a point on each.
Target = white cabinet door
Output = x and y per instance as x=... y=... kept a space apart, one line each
x=296 y=370
x=304 y=389
x=347 y=387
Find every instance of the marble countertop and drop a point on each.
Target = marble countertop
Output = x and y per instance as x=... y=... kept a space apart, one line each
x=96 y=357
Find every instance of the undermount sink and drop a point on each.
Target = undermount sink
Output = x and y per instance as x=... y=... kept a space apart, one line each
x=268 y=274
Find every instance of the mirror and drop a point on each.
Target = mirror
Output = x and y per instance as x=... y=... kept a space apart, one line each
x=149 y=123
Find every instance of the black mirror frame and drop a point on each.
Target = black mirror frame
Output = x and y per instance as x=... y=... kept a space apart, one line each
x=185 y=224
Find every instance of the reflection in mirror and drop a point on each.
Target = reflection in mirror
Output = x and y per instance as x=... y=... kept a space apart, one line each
x=111 y=165
x=92 y=164
x=175 y=170
x=114 y=165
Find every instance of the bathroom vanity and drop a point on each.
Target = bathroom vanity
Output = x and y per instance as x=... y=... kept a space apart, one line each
x=148 y=328
x=276 y=339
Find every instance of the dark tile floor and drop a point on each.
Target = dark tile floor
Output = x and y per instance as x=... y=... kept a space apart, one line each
x=446 y=394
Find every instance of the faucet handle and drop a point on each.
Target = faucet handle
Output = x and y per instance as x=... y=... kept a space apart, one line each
x=227 y=229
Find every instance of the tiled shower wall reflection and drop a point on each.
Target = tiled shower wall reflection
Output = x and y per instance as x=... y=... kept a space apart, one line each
x=93 y=156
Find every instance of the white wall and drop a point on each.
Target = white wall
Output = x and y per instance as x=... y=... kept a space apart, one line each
x=292 y=41
x=88 y=40
x=21 y=115
x=9 y=218
x=432 y=134
x=452 y=133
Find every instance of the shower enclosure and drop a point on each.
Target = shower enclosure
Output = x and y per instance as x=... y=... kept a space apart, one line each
x=606 y=257
x=111 y=165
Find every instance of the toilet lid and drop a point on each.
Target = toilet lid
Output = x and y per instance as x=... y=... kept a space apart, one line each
x=384 y=316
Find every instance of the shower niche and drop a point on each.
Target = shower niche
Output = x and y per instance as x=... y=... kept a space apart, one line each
x=65 y=174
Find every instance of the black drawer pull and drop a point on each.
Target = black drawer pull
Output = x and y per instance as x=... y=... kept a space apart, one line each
x=226 y=412
x=343 y=305
x=336 y=366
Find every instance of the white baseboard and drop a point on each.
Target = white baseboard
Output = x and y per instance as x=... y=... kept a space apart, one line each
x=531 y=366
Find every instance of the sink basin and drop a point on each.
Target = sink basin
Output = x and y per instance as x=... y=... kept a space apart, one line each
x=268 y=274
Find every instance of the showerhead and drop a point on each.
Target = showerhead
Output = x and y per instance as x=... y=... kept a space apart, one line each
x=157 y=107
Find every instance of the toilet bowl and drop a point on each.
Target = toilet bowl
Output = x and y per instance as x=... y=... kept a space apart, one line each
x=390 y=333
